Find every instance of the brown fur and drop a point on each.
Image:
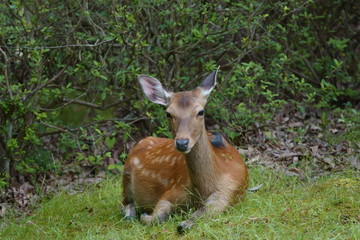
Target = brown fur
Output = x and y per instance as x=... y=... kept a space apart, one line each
x=157 y=177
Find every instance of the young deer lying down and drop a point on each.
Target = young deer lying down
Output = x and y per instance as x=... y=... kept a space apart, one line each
x=196 y=167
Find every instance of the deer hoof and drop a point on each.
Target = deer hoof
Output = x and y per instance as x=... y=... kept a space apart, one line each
x=129 y=218
x=184 y=227
x=146 y=219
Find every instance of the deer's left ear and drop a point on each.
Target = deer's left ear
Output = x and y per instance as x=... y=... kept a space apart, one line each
x=154 y=90
x=208 y=84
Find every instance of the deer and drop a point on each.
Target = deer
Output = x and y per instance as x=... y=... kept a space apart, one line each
x=196 y=168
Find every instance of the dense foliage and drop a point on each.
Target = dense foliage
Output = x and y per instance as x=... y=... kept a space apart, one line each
x=68 y=88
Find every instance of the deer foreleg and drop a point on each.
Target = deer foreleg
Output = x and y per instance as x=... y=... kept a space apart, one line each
x=129 y=211
x=161 y=213
x=128 y=203
x=215 y=203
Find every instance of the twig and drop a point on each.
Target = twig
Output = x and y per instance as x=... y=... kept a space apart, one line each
x=83 y=103
x=39 y=87
x=301 y=75
x=70 y=131
x=89 y=104
x=313 y=72
x=287 y=155
x=62 y=106
x=60 y=130
x=309 y=66
x=65 y=46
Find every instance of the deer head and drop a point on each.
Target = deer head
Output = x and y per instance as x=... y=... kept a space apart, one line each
x=185 y=110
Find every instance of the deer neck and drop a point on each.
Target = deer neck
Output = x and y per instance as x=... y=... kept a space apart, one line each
x=201 y=167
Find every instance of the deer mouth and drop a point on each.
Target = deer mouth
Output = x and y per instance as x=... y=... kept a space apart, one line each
x=182 y=145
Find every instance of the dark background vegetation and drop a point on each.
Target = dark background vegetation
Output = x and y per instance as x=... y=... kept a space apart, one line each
x=288 y=91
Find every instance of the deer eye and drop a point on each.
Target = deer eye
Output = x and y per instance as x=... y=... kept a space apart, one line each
x=201 y=113
x=168 y=115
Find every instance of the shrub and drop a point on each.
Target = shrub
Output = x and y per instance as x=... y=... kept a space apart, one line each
x=71 y=66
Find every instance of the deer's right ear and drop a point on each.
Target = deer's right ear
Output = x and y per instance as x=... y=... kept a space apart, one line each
x=154 y=90
x=209 y=83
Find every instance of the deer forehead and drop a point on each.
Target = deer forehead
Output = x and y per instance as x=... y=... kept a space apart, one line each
x=186 y=102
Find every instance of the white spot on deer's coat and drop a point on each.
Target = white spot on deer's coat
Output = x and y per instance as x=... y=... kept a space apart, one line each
x=154 y=176
x=161 y=159
x=164 y=158
x=178 y=181
x=145 y=172
x=136 y=161
x=173 y=161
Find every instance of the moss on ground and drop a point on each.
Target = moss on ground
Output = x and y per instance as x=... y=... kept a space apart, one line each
x=285 y=208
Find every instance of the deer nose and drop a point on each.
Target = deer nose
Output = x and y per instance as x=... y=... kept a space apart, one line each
x=182 y=144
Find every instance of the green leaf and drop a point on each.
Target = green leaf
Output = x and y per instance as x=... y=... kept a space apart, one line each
x=111 y=166
x=110 y=142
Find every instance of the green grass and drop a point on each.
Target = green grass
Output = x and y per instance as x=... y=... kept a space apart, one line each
x=285 y=208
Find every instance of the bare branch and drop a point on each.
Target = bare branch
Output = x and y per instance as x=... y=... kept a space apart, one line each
x=55 y=127
x=60 y=130
x=39 y=87
x=70 y=131
x=97 y=43
x=62 y=106
x=83 y=103
x=6 y=72
x=309 y=66
x=89 y=104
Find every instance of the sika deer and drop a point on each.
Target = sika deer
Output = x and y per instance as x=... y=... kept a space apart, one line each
x=196 y=167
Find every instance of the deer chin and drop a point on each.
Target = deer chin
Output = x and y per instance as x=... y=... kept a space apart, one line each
x=184 y=152
x=187 y=151
x=191 y=145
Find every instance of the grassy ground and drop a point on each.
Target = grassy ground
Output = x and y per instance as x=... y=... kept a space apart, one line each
x=285 y=208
